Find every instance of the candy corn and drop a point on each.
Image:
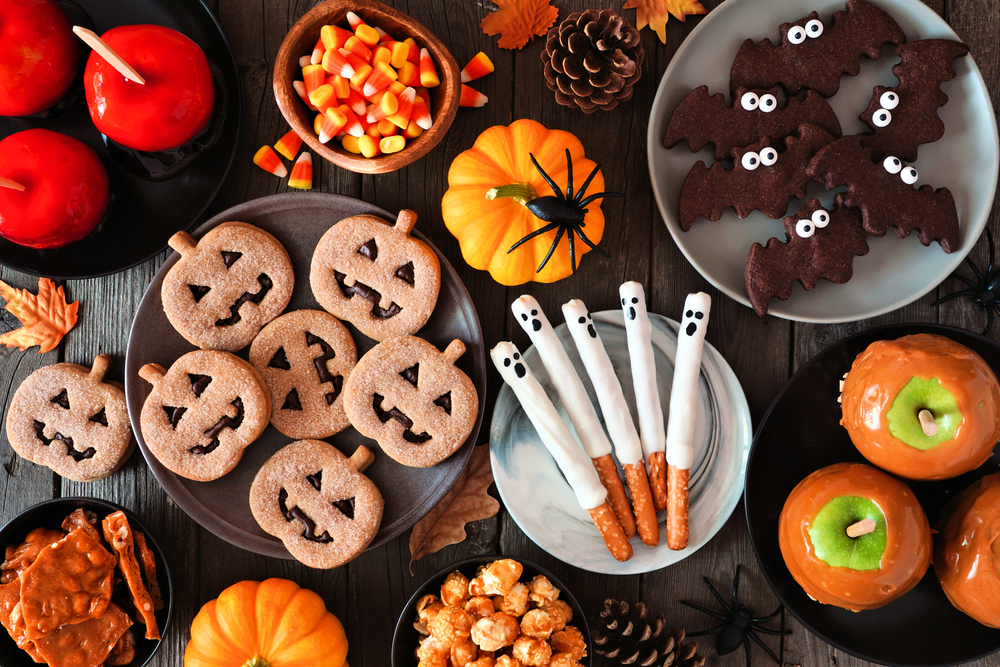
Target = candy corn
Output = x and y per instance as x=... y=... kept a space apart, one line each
x=471 y=98
x=333 y=121
x=269 y=161
x=387 y=128
x=350 y=145
x=335 y=62
x=289 y=145
x=358 y=48
x=379 y=79
x=382 y=54
x=341 y=87
x=334 y=38
x=421 y=114
x=387 y=106
x=413 y=130
x=369 y=146
x=392 y=144
x=356 y=102
x=353 y=125
x=321 y=96
x=478 y=67
x=428 y=73
x=318 y=51
x=409 y=75
x=305 y=60
x=302 y=173
x=404 y=109
x=313 y=76
x=383 y=36
x=300 y=88
x=400 y=52
x=355 y=21
x=414 y=56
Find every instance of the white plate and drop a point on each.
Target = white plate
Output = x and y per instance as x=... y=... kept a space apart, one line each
x=895 y=272
x=540 y=499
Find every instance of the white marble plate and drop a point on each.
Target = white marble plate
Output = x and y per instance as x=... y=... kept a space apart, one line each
x=537 y=495
x=895 y=272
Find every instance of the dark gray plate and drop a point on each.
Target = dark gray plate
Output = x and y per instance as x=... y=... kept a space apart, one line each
x=222 y=506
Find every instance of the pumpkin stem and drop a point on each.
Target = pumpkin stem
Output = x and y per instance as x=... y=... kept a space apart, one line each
x=522 y=193
x=257 y=661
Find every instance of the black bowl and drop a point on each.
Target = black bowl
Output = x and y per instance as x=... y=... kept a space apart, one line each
x=405 y=639
x=50 y=514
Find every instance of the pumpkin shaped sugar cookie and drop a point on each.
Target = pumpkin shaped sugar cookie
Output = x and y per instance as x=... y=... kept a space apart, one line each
x=375 y=275
x=203 y=412
x=226 y=285
x=304 y=357
x=66 y=417
x=318 y=502
x=412 y=399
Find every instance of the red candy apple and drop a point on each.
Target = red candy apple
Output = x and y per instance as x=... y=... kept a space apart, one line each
x=176 y=101
x=66 y=189
x=39 y=56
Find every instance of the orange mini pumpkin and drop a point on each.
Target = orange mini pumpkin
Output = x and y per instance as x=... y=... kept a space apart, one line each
x=273 y=623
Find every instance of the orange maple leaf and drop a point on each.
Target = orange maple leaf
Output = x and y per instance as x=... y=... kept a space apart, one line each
x=519 y=21
x=46 y=317
x=655 y=13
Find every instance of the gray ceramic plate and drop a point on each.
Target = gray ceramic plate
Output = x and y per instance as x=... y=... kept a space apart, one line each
x=222 y=506
x=966 y=161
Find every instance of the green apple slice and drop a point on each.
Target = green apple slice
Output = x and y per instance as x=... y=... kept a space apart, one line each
x=923 y=394
x=834 y=547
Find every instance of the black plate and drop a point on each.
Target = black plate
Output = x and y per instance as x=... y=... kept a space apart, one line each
x=801 y=433
x=143 y=214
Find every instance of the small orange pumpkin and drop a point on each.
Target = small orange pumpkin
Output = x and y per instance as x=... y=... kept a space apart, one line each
x=273 y=623
x=490 y=188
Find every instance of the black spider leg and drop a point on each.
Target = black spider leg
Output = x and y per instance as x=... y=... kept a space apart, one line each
x=555 y=243
x=569 y=177
x=548 y=179
x=752 y=634
x=981 y=290
x=547 y=228
x=586 y=184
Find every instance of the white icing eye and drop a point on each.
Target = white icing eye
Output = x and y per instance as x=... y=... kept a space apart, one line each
x=892 y=164
x=768 y=156
x=750 y=161
x=805 y=228
x=882 y=118
x=749 y=101
x=889 y=100
x=820 y=218
x=796 y=34
x=768 y=103
x=814 y=28
x=909 y=175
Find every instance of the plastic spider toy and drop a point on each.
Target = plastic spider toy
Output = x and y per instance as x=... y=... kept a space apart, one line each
x=739 y=625
x=984 y=291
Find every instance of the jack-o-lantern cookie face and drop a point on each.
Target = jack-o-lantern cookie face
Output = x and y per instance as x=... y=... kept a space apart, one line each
x=318 y=502
x=412 y=399
x=66 y=417
x=203 y=413
x=304 y=357
x=376 y=276
x=227 y=285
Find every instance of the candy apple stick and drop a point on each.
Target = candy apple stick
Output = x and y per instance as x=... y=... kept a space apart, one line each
x=591 y=495
x=683 y=415
x=616 y=416
x=647 y=396
x=581 y=411
x=13 y=185
x=106 y=52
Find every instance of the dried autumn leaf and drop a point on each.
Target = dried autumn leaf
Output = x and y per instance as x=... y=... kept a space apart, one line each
x=46 y=317
x=519 y=21
x=467 y=501
x=655 y=13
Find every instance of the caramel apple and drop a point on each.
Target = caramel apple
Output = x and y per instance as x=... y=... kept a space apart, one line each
x=172 y=106
x=39 y=56
x=854 y=536
x=66 y=190
x=923 y=407
x=967 y=556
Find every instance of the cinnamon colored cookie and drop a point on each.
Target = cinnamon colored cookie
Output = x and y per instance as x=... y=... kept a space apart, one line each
x=375 y=275
x=304 y=357
x=412 y=399
x=203 y=412
x=66 y=417
x=318 y=502
x=226 y=285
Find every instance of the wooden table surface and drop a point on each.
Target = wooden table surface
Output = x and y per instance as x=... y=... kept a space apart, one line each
x=369 y=593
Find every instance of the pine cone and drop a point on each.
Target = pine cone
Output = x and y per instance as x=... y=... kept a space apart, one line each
x=626 y=637
x=592 y=60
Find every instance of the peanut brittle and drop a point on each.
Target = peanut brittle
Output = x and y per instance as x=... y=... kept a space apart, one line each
x=118 y=533
x=13 y=621
x=85 y=644
x=20 y=556
x=81 y=518
x=149 y=568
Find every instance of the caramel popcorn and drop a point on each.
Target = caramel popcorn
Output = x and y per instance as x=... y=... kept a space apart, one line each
x=455 y=590
x=464 y=653
x=563 y=660
x=515 y=602
x=480 y=607
x=451 y=626
x=560 y=612
x=531 y=651
x=537 y=623
x=569 y=640
x=495 y=632
x=500 y=575
x=541 y=591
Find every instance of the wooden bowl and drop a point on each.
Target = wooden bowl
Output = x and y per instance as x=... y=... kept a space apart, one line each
x=303 y=37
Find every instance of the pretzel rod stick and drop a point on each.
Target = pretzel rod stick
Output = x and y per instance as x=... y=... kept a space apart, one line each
x=574 y=396
x=616 y=416
x=639 y=330
x=556 y=437
x=684 y=414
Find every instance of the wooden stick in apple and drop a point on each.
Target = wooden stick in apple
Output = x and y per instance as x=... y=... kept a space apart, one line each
x=683 y=415
x=863 y=527
x=927 y=423
x=573 y=463
x=13 y=185
x=616 y=416
x=106 y=52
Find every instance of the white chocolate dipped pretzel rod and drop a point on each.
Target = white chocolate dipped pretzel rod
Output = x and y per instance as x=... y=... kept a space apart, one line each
x=684 y=414
x=557 y=439
x=574 y=396
x=616 y=416
x=639 y=330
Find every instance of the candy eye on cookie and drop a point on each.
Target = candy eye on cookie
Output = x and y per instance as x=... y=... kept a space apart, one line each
x=750 y=101
x=889 y=99
x=820 y=218
x=768 y=103
x=805 y=228
x=796 y=34
x=814 y=28
x=882 y=118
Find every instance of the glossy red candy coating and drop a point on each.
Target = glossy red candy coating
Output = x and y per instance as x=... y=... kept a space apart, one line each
x=39 y=56
x=176 y=101
x=66 y=189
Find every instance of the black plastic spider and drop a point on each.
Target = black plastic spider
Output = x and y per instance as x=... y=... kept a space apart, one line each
x=739 y=625
x=564 y=213
x=984 y=291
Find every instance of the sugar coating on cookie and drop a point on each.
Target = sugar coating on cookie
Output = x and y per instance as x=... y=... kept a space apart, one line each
x=203 y=413
x=227 y=285
x=304 y=357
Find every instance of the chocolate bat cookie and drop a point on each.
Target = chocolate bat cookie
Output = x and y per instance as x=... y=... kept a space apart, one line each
x=818 y=244
x=702 y=118
x=762 y=179
x=906 y=116
x=884 y=191
x=813 y=54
